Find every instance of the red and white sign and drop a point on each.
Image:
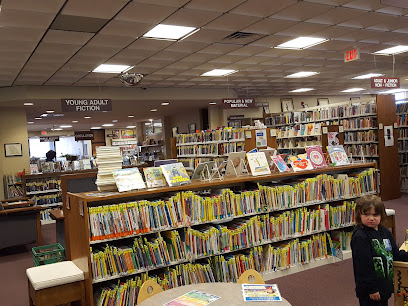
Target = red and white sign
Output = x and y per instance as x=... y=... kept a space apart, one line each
x=352 y=55
x=385 y=82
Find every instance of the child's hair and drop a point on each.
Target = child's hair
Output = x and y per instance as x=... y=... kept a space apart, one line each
x=365 y=203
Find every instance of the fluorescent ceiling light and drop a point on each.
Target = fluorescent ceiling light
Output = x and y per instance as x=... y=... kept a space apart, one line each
x=30 y=122
x=38 y=118
x=108 y=124
x=301 y=74
x=393 y=91
x=75 y=121
x=28 y=103
x=115 y=120
x=213 y=103
x=57 y=129
x=131 y=126
x=392 y=50
x=163 y=31
x=219 y=72
x=367 y=76
x=302 y=90
x=154 y=110
x=105 y=68
x=49 y=111
x=131 y=116
x=301 y=43
x=353 y=89
x=44 y=115
x=87 y=117
x=165 y=103
x=95 y=128
x=65 y=126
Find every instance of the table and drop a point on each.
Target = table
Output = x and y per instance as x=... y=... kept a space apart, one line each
x=230 y=294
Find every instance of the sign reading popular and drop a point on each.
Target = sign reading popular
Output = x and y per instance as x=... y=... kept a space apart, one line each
x=86 y=105
x=238 y=103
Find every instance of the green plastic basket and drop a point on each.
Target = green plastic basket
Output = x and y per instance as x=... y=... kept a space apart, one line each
x=47 y=254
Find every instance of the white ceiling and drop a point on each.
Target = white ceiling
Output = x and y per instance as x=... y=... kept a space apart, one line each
x=31 y=53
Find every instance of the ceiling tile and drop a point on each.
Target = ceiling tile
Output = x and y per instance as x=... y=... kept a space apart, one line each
x=302 y=29
x=155 y=63
x=54 y=48
x=98 y=51
x=46 y=58
x=173 y=3
x=200 y=57
x=261 y=8
x=219 y=49
x=208 y=35
x=150 y=44
x=393 y=10
x=336 y=16
x=21 y=34
x=182 y=65
x=365 y=5
x=134 y=54
x=228 y=59
x=25 y=19
x=110 y=41
x=363 y=21
x=269 y=26
x=232 y=22
x=387 y=22
x=126 y=28
x=187 y=46
x=86 y=59
x=78 y=67
x=214 y=5
x=27 y=46
x=11 y=63
x=104 y=9
x=248 y=51
x=191 y=18
x=142 y=69
x=11 y=56
x=43 y=6
x=145 y=13
x=67 y=37
x=166 y=55
x=301 y=11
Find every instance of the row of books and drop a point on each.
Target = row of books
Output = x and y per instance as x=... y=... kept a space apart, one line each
x=404 y=171
x=45 y=215
x=404 y=184
x=402 y=133
x=48 y=199
x=213 y=149
x=225 y=134
x=403 y=158
x=360 y=123
x=297 y=143
x=43 y=185
x=403 y=120
x=365 y=136
x=14 y=191
x=109 y=159
x=299 y=130
x=12 y=179
x=188 y=207
x=403 y=145
x=367 y=150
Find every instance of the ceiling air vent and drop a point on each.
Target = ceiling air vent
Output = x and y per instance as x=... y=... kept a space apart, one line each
x=241 y=38
x=239 y=35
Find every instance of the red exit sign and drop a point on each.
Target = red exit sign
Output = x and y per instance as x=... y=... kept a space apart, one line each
x=352 y=55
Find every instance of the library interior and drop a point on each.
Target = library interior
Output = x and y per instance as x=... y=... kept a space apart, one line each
x=188 y=152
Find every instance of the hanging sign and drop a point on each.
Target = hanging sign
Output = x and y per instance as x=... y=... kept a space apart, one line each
x=49 y=138
x=385 y=82
x=86 y=105
x=352 y=55
x=84 y=135
x=262 y=104
x=238 y=103
x=236 y=117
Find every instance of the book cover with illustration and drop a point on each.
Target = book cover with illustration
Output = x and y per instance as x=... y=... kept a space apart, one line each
x=258 y=163
x=280 y=163
x=193 y=298
x=175 y=174
x=337 y=155
x=316 y=156
x=261 y=292
x=301 y=163
x=154 y=177
x=128 y=179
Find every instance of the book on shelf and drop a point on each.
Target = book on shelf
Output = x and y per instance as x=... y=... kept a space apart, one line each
x=269 y=152
x=128 y=179
x=108 y=159
x=301 y=163
x=280 y=163
x=316 y=156
x=261 y=293
x=258 y=163
x=154 y=177
x=337 y=155
x=236 y=160
x=175 y=174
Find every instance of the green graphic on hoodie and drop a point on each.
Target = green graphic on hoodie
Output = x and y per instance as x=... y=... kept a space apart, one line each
x=380 y=269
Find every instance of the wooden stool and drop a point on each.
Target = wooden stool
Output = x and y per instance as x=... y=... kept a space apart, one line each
x=390 y=222
x=56 y=284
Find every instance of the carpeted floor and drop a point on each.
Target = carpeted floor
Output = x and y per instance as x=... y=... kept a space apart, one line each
x=323 y=286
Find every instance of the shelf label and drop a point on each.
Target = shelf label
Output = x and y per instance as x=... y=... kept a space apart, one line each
x=86 y=105
x=385 y=82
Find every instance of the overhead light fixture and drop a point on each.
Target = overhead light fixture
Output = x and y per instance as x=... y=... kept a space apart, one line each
x=108 y=124
x=65 y=126
x=301 y=43
x=154 y=110
x=219 y=72
x=392 y=50
x=75 y=121
x=302 y=74
x=367 y=76
x=95 y=128
x=213 y=103
x=115 y=120
x=131 y=116
x=44 y=115
x=353 y=89
x=28 y=103
x=165 y=103
x=87 y=117
x=171 y=32
x=49 y=111
x=30 y=122
x=131 y=126
x=302 y=90
x=107 y=68
x=38 y=118
x=57 y=129
x=393 y=91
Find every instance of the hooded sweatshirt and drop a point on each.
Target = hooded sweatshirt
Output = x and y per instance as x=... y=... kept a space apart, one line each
x=373 y=254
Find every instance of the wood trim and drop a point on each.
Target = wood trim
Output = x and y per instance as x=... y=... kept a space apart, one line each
x=21 y=209
x=39 y=235
x=56 y=174
x=325 y=137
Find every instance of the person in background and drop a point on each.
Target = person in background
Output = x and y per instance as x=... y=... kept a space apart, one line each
x=50 y=156
x=374 y=250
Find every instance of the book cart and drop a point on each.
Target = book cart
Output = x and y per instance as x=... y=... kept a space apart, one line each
x=79 y=207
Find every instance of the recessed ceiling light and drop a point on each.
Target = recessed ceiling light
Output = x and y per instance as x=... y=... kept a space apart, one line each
x=131 y=126
x=65 y=126
x=30 y=122
x=393 y=91
x=108 y=124
x=105 y=68
x=28 y=103
x=154 y=110
x=301 y=43
x=95 y=128
x=115 y=120
x=173 y=32
x=49 y=111
x=367 y=76
x=165 y=103
x=87 y=117
x=38 y=118
x=58 y=129
x=302 y=90
x=131 y=116
x=213 y=103
x=75 y=121
x=353 y=89
x=44 y=115
x=392 y=50
x=301 y=74
x=219 y=72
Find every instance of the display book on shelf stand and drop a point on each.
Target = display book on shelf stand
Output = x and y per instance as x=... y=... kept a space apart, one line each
x=80 y=212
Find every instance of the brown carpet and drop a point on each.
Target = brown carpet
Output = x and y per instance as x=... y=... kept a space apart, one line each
x=330 y=285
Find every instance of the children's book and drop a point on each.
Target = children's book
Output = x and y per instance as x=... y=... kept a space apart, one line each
x=235 y=160
x=193 y=298
x=154 y=177
x=175 y=174
x=301 y=163
x=258 y=163
x=261 y=293
x=316 y=156
x=337 y=155
x=280 y=163
x=128 y=179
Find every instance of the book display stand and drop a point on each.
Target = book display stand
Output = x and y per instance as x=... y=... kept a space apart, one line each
x=243 y=165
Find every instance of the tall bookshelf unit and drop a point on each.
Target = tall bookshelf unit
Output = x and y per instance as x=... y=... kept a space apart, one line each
x=78 y=218
x=402 y=113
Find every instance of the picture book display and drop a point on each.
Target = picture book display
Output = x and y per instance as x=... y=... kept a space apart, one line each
x=258 y=163
x=337 y=155
x=193 y=298
x=235 y=160
x=175 y=174
x=280 y=163
x=203 y=170
x=261 y=293
x=316 y=156
x=128 y=179
x=154 y=177
x=269 y=152
x=301 y=163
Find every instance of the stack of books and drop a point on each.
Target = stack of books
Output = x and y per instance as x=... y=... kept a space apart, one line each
x=109 y=159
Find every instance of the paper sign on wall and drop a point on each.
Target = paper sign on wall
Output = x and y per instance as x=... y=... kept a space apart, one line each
x=261 y=140
x=388 y=136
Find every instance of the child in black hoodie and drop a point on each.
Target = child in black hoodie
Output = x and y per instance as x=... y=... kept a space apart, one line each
x=374 y=250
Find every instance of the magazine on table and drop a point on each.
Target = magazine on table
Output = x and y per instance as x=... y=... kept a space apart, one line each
x=193 y=298
x=261 y=293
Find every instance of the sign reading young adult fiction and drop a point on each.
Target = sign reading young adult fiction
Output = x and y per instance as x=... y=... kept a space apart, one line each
x=385 y=82
x=86 y=105
x=84 y=135
x=238 y=103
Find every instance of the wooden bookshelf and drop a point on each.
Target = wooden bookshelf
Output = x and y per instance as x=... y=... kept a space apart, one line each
x=77 y=216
